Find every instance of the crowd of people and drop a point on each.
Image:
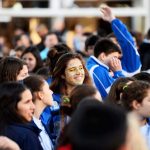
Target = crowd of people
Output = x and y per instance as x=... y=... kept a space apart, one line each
x=91 y=97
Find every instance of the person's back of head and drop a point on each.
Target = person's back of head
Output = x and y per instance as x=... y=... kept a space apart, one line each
x=95 y=126
x=90 y=43
x=54 y=54
x=144 y=76
x=106 y=46
x=80 y=92
x=134 y=94
x=34 y=83
x=116 y=90
x=44 y=72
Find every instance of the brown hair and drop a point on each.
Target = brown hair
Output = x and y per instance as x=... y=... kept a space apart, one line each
x=117 y=89
x=137 y=90
x=58 y=84
x=10 y=68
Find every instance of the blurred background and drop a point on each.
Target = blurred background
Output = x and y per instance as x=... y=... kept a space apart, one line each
x=35 y=17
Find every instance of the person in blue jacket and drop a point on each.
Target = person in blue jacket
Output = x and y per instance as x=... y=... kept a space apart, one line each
x=16 y=111
x=42 y=98
x=102 y=63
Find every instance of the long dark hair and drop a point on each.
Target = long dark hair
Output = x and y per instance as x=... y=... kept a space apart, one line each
x=10 y=68
x=58 y=84
x=10 y=95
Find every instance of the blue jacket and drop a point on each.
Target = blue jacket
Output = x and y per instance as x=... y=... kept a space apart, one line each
x=100 y=75
x=50 y=117
x=130 y=60
x=25 y=135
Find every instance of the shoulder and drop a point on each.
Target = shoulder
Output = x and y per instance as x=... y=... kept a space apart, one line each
x=22 y=130
x=25 y=135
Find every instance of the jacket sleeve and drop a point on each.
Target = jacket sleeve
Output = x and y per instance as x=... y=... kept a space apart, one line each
x=130 y=59
x=103 y=80
x=118 y=74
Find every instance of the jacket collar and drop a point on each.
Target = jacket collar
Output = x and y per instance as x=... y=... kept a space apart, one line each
x=99 y=62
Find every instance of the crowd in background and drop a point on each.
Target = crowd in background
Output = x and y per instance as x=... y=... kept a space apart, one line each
x=89 y=91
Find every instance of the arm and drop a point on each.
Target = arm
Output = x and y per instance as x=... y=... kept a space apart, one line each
x=130 y=60
x=103 y=80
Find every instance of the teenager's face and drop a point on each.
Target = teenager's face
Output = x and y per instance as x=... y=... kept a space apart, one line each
x=23 y=73
x=144 y=107
x=47 y=94
x=30 y=61
x=74 y=72
x=25 y=106
x=107 y=58
x=51 y=40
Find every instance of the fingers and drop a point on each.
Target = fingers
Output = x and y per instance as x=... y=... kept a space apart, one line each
x=115 y=64
x=107 y=14
x=115 y=61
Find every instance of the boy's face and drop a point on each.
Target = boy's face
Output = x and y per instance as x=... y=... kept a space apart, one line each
x=106 y=58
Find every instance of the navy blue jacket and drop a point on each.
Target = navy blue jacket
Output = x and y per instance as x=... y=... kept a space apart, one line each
x=25 y=135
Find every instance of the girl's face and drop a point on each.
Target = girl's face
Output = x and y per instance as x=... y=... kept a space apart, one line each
x=47 y=94
x=74 y=73
x=143 y=108
x=25 y=106
x=23 y=73
x=30 y=61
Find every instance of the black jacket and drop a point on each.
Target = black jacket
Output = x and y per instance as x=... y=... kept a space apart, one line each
x=25 y=135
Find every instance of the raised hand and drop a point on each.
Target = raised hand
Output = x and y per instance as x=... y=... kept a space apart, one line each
x=107 y=13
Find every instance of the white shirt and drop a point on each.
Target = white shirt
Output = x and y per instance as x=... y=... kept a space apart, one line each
x=145 y=130
x=43 y=136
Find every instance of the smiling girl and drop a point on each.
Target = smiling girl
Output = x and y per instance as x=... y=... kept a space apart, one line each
x=69 y=72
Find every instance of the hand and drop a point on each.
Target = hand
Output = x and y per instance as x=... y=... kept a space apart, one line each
x=7 y=143
x=115 y=64
x=107 y=14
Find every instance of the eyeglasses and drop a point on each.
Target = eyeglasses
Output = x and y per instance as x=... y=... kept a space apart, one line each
x=74 y=69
